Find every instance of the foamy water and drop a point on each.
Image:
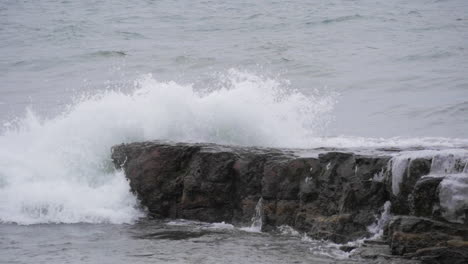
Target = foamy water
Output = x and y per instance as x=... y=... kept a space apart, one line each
x=59 y=169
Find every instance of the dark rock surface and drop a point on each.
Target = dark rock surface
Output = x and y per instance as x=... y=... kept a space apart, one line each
x=332 y=196
x=425 y=198
x=329 y=195
x=409 y=234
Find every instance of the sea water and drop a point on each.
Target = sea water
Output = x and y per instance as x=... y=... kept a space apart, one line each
x=77 y=77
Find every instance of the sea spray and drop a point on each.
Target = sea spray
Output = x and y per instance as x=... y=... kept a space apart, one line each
x=58 y=170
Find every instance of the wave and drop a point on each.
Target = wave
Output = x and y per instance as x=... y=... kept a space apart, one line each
x=341 y=19
x=107 y=53
x=58 y=170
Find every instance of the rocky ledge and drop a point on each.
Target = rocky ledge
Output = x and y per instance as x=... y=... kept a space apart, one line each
x=334 y=195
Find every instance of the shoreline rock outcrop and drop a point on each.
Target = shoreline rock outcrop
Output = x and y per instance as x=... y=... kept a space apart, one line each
x=333 y=195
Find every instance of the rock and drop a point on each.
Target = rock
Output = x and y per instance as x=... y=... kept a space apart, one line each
x=416 y=168
x=375 y=242
x=403 y=243
x=333 y=196
x=339 y=228
x=208 y=187
x=379 y=254
x=453 y=196
x=425 y=198
x=155 y=173
x=373 y=252
x=412 y=224
x=347 y=248
x=417 y=237
x=442 y=255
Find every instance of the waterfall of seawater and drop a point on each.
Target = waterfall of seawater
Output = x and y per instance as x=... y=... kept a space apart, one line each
x=451 y=166
x=257 y=219
x=377 y=228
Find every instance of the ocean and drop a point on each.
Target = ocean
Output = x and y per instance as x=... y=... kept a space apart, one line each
x=77 y=77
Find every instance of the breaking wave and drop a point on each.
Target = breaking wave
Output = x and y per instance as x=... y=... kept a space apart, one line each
x=58 y=170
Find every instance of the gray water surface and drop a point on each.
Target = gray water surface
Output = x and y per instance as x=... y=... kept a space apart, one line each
x=399 y=66
x=158 y=242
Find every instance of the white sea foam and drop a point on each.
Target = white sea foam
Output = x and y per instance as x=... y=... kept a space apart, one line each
x=221 y=225
x=453 y=196
x=59 y=169
x=344 y=141
x=184 y=222
x=288 y=231
x=325 y=248
x=202 y=225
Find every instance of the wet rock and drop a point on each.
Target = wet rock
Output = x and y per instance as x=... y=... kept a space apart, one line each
x=347 y=248
x=156 y=173
x=339 y=228
x=208 y=187
x=425 y=198
x=333 y=195
x=380 y=254
x=403 y=243
x=373 y=252
x=442 y=255
x=417 y=237
x=412 y=224
x=401 y=203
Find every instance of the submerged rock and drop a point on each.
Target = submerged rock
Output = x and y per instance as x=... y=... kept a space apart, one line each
x=443 y=255
x=428 y=239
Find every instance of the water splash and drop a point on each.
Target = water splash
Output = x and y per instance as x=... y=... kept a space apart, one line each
x=257 y=219
x=288 y=231
x=59 y=169
x=377 y=228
